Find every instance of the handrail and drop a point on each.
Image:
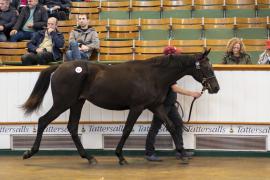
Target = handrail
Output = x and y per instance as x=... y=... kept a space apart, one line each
x=218 y=67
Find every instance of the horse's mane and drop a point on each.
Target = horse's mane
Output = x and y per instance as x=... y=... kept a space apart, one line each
x=162 y=61
x=166 y=60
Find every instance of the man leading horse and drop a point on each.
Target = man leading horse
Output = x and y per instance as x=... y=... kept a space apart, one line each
x=173 y=114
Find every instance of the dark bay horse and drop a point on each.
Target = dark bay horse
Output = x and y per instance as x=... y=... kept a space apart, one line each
x=135 y=85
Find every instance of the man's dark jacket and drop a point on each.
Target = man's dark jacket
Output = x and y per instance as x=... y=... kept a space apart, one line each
x=8 y=18
x=57 y=40
x=64 y=4
x=40 y=18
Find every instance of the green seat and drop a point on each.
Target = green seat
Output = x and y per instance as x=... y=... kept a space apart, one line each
x=263 y=8
x=252 y=33
x=264 y=12
x=254 y=56
x=177 y=14
x=216 y=56
x=12 y=63
x=240 y=13
x=219 y=33
x=154 y=34
x=114 y=15
x=207 y=13
x=145 y=15
x=186 y=32
x=177 y=9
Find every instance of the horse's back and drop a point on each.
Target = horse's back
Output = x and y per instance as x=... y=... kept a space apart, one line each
x=115 y=87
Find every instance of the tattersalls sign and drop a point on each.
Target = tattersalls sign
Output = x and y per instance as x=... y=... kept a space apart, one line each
x=139 y=129
x=92 y=134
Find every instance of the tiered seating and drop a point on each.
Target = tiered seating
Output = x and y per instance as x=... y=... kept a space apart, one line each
x=154 y=29
x=208 y=8
x=123 y=29
x=114 y=10
x=101 y=26
x=263 y=7
x=190 y=35
x=141 y=49
x=254 y=47
x=252 y=28
x=240 y=8
x=177 y=9
x=11 y=52
x=116 y=51
x=148 y=49
x=188 y=46
x=155 y=9
x=219 y=28
x=187 y=29
x=151 y=24
x=84 y=7
x=145 y=9
x=218 y=48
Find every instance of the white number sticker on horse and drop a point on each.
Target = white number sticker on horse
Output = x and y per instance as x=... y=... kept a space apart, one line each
x=78 y=69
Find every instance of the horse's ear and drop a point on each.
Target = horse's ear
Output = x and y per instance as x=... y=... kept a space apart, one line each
x=206 y=52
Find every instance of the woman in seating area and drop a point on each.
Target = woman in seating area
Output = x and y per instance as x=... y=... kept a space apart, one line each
x=265 y=56
x=236 y=53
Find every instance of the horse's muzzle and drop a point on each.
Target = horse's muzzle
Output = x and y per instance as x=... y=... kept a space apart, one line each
x=211 y=85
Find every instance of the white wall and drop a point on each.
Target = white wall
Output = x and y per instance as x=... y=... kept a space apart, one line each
x=243 y=97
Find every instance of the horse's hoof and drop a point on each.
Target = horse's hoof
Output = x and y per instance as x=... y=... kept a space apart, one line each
x=27 y=154
x=123 y=162
x=92 y=161
x=184 y=160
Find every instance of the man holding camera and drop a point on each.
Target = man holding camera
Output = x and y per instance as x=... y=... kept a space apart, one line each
x=45 y=45
x=82 y=41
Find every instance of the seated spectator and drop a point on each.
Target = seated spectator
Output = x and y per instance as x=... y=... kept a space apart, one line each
x=57 y=8
x=45 y=46
x=18 y=4
x=265 y=56
x=8 y=16
x=82 y=41
x=32 y=18
x=236 y=53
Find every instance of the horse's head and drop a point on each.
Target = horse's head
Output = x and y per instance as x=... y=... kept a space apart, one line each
x=204 y=73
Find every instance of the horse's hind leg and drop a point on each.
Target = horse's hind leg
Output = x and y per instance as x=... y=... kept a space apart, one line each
x=43 y=122
x=132 y=118
x=74 y=118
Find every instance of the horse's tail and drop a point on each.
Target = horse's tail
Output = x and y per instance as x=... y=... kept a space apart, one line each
x=35 y=99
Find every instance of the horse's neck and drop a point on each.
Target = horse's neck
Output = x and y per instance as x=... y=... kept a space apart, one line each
x=176 y=70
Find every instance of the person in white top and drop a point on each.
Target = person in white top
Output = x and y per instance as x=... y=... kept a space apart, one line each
x=265 y=56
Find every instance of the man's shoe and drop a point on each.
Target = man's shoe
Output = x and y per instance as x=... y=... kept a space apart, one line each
x=153 y=157
x=187 y=154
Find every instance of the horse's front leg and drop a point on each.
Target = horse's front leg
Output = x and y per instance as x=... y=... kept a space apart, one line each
x=161 y=113
x=133 y=115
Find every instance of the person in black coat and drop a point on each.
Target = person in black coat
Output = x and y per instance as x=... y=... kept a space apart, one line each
x=32 y=18
x=173 y=114
x=8 y=16
x=57 y=8
x=45 y=46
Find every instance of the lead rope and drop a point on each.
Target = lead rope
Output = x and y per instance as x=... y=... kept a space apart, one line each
x=191 y=106
x=190 y=110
